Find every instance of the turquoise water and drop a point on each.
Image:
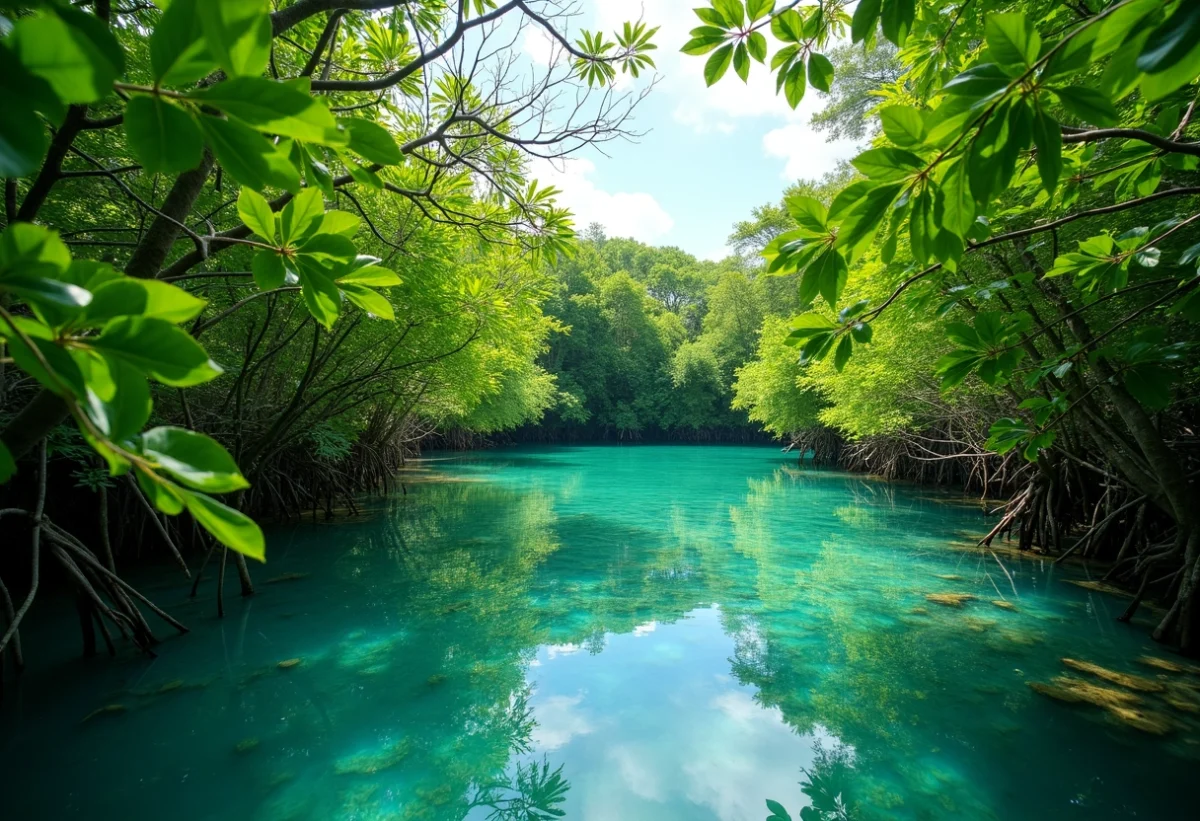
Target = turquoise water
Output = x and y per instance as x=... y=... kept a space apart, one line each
x=614 y=633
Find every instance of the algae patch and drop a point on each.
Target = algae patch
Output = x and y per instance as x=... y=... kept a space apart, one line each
x=1126 y=680
x=369 y=763
x=949 y=599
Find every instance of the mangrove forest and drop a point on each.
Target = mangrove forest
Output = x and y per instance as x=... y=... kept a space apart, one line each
x=520 y=410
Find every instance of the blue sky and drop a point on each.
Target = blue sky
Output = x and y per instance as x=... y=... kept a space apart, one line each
x=710 y=154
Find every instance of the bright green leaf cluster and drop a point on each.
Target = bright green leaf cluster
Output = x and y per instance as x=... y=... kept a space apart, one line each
x=308 y=246
x=96 y=338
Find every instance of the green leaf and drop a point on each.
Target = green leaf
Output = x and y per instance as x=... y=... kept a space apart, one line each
x=848 y=197
x=1087 y=104
x=756 y=44
x=340 y=222
x=238 y=33
x=249 y=157
x=63 y=378
x=370 y=301
x=70 y=61
x=777 y=809
x=269 y=270
x=820 y=72
x=1073 y=56
x=274 y=107
x=829 y=271
x=863 y=220
x=256 y=214
x=22 y=135
x=362 y=175
x=1047 y=136
x=1172 y=41
x=1011 y=39
x=758 y=9
x=866 y=18
x=922 y=226
x=958 y=204
x=164 y=137
x=162 y=493
x=8 y=466
x=784 y=57
x=704 y=43
x=897 y=19
x=1158 y=86
x=328 y=250
x=372 y=141
x=903 y=126
x=36 y=289
x=230 y=527
x=862 y=332
x=732 y=12
x=157 y=348
x=320 y=294
x=178 y=51
x=888 y=163
x=842 y=355
x=807 y=212
x=364 y=271
x=978 y=82
x=193 y=459
x=955 y=367
x=808 y=325
x=301 y=217
x=741 y=62
x=117 y=397
x=794 y=84
x=24 y=245
x=128 y=296
x=718 y=64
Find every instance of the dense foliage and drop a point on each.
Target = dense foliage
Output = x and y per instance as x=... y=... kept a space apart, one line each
x=255 y=250
x=1021 y=228
x=651 y=342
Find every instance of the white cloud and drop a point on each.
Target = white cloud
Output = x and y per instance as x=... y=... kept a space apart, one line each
x=559 y=719
x=623 y=214
x=807 y=153
x=638 y=771
x=644 y=629
x=553 y=651
x=538 y=46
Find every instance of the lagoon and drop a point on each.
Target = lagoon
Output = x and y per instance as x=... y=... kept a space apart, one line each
x=639 y=632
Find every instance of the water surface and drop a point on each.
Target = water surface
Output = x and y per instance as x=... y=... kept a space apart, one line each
x=616 y=633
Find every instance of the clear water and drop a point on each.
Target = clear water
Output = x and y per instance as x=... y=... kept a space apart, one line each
x=684 y=631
